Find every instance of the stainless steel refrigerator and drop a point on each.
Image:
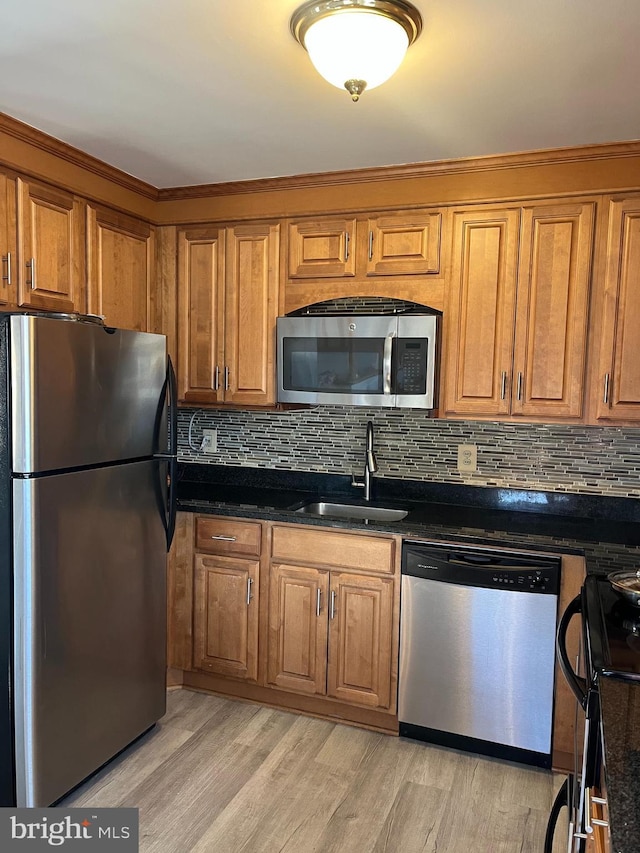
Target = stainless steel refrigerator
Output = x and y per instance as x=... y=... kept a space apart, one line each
x=87 y=455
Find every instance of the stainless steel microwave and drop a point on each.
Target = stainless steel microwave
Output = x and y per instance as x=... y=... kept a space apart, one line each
x=358 y=360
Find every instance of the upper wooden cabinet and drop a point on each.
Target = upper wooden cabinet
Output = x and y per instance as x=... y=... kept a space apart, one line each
x=227 y=306
x=120 y=261
x=404 y=244
x=51 y=231
x=321 y=248
x=518 y=311
x=8 y=246
x=617 y=380
x=392 y=244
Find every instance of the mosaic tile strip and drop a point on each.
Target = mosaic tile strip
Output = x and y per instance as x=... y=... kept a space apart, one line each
x=330 y=439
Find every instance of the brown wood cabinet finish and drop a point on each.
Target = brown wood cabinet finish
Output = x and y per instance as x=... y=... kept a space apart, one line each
x=552 y=310
x=360 y=639
x=51 y=248
x=518 y=311
x=404 y=244
x=481 y=310
x=333 y=548
x=297 y=642
x=200 y=313
x=226 y=616
x=227 y=306
x=228 y=536
x=8 y=243
x=617 y=381
x=121 y=265
x=320 y=248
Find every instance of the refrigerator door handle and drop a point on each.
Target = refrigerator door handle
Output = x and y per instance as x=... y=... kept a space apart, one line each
x=173 y=451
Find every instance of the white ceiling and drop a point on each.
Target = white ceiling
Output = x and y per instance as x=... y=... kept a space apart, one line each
x=180 y=92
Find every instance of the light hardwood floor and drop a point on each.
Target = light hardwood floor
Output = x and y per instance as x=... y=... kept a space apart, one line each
x=220 y=776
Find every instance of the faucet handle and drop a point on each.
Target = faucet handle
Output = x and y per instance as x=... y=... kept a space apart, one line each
x=357 y=484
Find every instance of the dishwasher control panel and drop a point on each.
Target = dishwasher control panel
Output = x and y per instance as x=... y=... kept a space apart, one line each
x=483 y=567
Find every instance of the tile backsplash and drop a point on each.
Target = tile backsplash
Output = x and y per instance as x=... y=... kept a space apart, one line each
x=408 y=444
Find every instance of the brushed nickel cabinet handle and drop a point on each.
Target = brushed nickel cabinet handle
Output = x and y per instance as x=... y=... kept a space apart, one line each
x=32 y=266
x=346 y=245
x=519 y=386
x=225 y=538
x=216 y=379
x=503 y=385
x=226 y=379
x=318 y=602
x=6 y=259
x=332 y=605
x=249 y=585
x=370 y=245
x=607 y=380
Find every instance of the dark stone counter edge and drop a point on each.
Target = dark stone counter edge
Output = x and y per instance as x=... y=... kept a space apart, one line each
x=620 y=709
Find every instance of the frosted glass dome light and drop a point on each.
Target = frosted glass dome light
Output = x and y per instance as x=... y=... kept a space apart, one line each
x=356 y=44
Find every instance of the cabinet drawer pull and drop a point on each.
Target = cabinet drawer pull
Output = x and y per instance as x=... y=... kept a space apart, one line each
x=6 y=259
x=249 y=585
x=607 y=379
x=225 y=538
x=32 y=266
x=370 y=245
x=519 y=386
x=503 y=385
x=226 y=379
x=332 y=605
x=346 y=245
x=216 y=378
x=318 y=602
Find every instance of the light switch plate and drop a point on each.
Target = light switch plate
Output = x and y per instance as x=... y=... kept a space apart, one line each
x=467 y=457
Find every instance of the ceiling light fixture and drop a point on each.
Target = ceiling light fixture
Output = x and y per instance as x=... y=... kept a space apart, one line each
x=356 y=44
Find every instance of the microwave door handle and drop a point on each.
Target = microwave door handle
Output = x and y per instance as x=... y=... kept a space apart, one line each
x=386 y=363
x=577 y=684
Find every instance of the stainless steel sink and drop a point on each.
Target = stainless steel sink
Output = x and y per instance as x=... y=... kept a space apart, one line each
x=358 y=513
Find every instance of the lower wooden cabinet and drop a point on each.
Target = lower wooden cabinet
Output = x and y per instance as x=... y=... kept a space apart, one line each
x=225 y=618
x=331 y=633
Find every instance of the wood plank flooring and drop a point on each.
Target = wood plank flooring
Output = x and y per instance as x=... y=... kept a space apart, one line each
x=220 y=776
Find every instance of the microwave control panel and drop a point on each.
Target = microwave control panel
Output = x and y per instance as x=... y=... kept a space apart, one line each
x=411 y=366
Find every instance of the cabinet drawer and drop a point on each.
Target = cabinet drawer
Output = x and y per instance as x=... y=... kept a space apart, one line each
x=333 y=548
x=224 y=536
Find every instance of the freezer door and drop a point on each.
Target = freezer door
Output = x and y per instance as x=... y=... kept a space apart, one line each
x=84 y=395
x=89 y=621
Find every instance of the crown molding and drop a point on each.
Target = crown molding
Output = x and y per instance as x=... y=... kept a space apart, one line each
x=50 y=145
x=409 y=171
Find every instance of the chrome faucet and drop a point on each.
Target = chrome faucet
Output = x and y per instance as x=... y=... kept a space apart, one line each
x=370 y=465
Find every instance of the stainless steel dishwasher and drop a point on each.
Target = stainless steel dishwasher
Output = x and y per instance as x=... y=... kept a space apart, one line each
x=477 y=649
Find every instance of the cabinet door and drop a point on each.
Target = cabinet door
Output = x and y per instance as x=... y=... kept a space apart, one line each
x=322 y=248
x=552 y=311
x=200 y=315
x=9 y=260
x=226 y=616
x=120 y=260
x=618 y=378
x=404 y=244
x=52 y=252
x=297 y=644
x=480 y=319
x=360 y=639
x=252 y=278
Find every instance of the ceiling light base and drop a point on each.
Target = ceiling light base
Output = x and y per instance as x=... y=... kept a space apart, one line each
x=355 y=88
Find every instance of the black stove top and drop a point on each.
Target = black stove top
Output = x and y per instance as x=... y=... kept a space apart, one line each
x=613 y=630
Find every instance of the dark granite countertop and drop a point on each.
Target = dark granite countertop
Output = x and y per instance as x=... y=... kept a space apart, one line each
x=605 y=530
x=620 y=709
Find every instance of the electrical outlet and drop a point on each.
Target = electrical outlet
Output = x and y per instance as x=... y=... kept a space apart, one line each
x=209 y=441
x=467 y=457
